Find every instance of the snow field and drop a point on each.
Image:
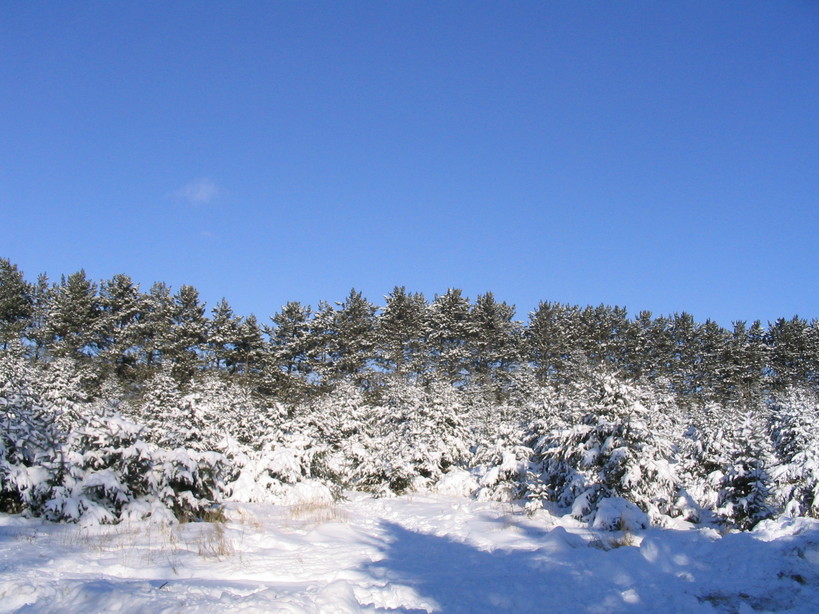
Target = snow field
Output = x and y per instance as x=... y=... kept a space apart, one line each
x=411 y=554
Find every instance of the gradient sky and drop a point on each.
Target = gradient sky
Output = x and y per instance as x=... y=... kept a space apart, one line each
x=654 y=155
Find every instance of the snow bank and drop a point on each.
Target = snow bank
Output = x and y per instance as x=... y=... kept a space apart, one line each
x=615 y=513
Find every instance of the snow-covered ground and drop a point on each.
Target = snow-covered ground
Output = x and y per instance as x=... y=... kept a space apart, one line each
x=411 y=554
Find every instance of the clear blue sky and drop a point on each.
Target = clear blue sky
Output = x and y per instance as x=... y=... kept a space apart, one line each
x=655 y=155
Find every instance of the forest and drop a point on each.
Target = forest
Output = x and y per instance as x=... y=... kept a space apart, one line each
x=118 y=403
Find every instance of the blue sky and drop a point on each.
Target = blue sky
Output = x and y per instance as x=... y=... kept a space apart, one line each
x=660 y=156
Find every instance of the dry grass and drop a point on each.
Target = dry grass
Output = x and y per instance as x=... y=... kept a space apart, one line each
x=619 y=539
x=315 y=513
x=213 y=542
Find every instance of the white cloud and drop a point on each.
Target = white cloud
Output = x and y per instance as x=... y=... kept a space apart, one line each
x=198 y=192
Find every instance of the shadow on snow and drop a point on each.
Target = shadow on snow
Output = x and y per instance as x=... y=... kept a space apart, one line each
x=672 y=571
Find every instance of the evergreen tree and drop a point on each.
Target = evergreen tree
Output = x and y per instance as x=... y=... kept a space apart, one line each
x=248 y=354
x=186 y=338
x=290 y=348
x=601 y=336
x=30 y=439
x=728 y=464
x=495 y=342
x=223 y=332
x=160 y=410
x=792 y=353
x=353 y=336
x=451 y=330
x=746 y=496
x=401 y=333
x=684 y=354
x=620 y=445
x=552 y=337
x=289 y=338
x=152 y=330
x=640 y=353
x=796 y=441
x=74 y=317
x=15 y=302
x=322 y=341
x=123 y=309
x=710 y=370
x=345 y=339
x=742 y=365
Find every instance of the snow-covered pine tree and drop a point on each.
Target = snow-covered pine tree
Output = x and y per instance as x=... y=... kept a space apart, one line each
x=451 y=329
x=223 y=330
x=727 y=464
x=249 y=349
x=620 y=444
x=160 y=411
x=495 y=344
x=108 y=467
x=15 y=302
x=30 y=438
x=290 y=346
x=154 y=329
x=421 y=434
x=350 y=340
x=400 y=333
x=74 y=317
x=185 y=340
x=746 y=495
x=553 y=341
x=796 y=441
x=123 y=308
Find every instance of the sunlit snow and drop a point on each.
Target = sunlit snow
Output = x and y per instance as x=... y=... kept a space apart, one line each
x=410 y=554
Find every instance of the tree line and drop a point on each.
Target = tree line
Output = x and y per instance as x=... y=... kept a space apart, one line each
x=117 y=330
x=117 y=403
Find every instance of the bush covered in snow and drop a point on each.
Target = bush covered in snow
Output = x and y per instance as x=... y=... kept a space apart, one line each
x=79 y=460
x=608 y=451
x=618 y=443
x=796 y=444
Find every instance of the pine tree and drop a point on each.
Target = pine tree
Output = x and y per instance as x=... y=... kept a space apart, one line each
x=684 y=354
x=290 y=349
x=320 y=349
x=401 y=333
x=619 y=444
x=160 y=410
x=796 y=441
x=742 y=366
x=552 y=337
x=451 y=329
x=36 y=332
x=248 y=356
x=74 y=317
x=153 y=331
x=710 y=370
x=494 y=343
x=353 y=336
x=186 y=338
x=15 y=302
x=791 y=361
x=728 y=461
x=30 y=439
x=123 y=309
x=746 y=495
x=345 y=339
x=289 y=338
x=639 y=361
x=223 y=331
x=601 y=335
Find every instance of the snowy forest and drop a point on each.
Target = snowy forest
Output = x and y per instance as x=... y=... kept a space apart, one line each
x=118 y=404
